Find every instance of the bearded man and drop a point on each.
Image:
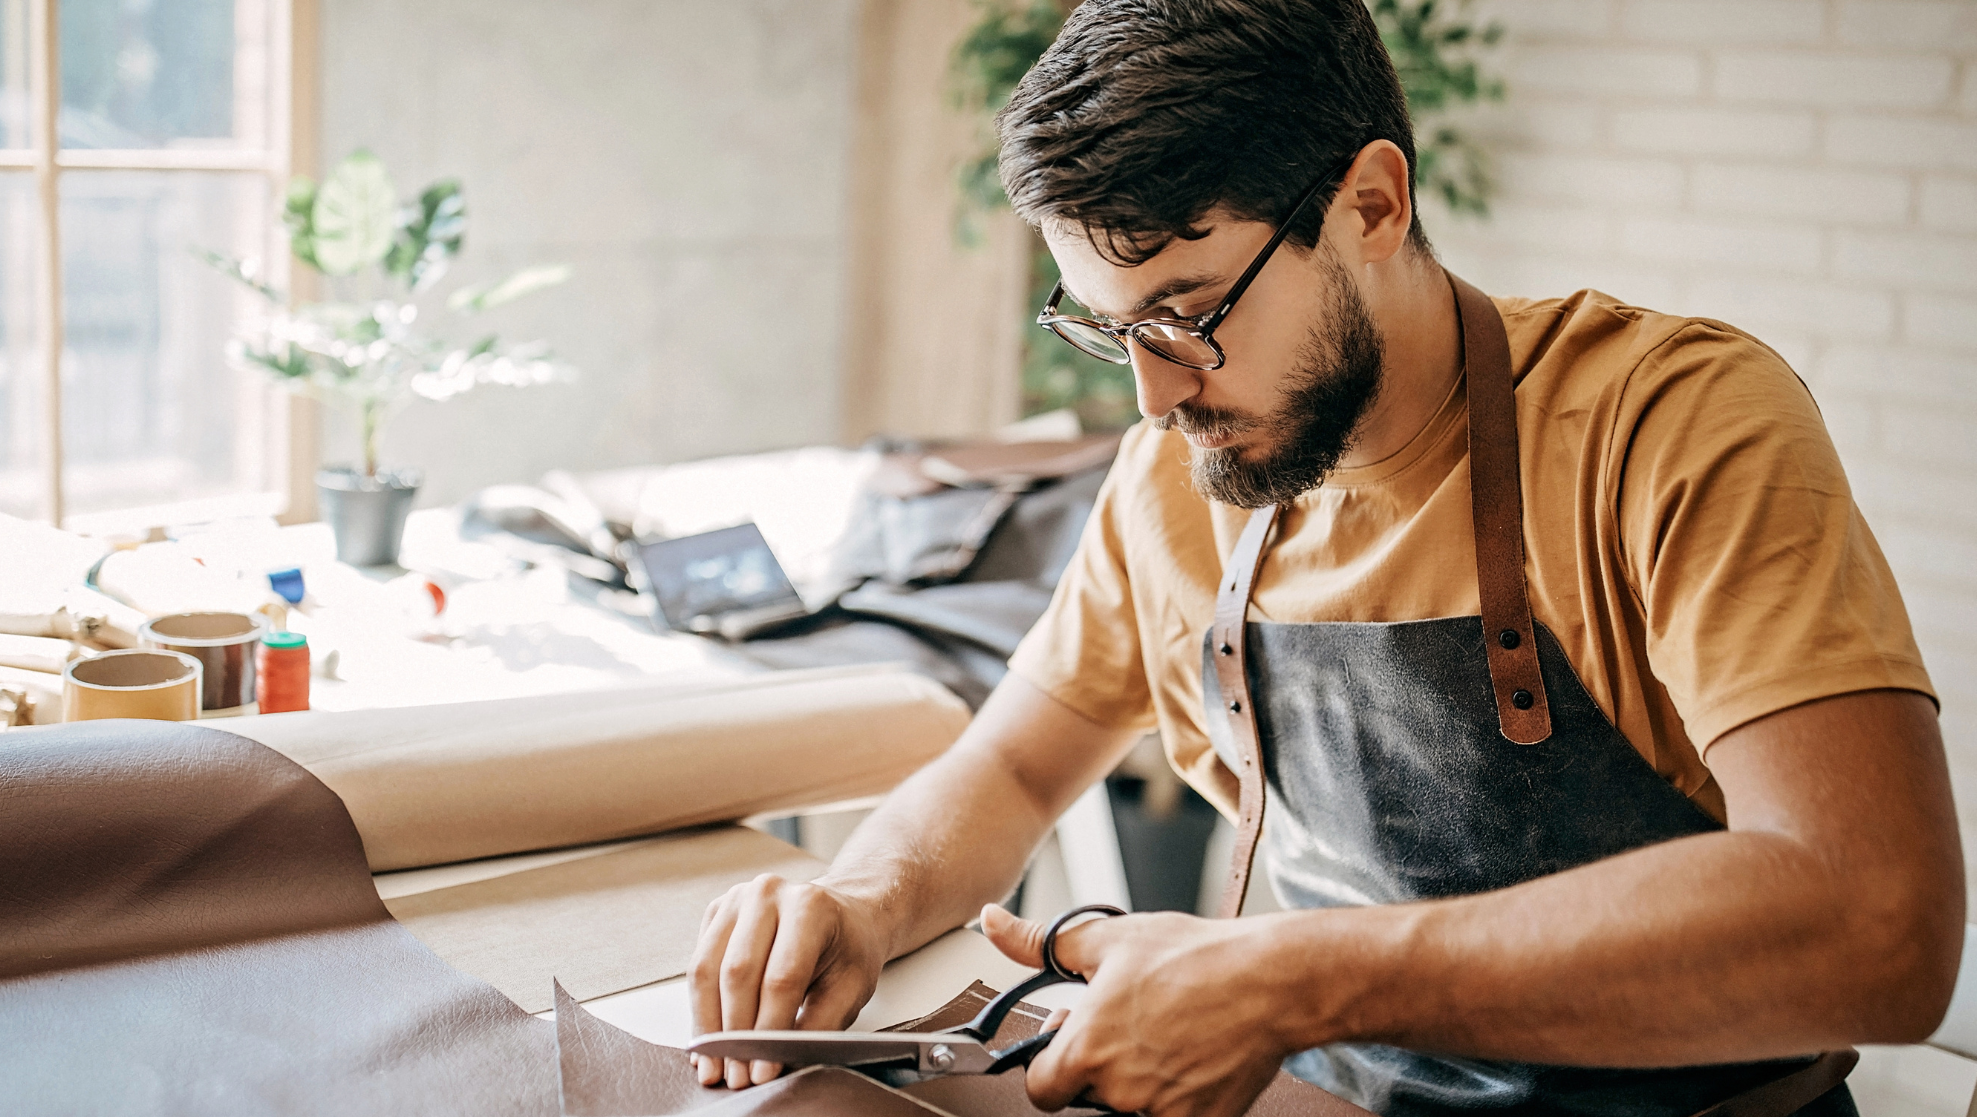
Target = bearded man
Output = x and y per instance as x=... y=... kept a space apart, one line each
x=1603 y=772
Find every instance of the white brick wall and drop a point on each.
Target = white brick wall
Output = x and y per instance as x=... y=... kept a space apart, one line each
x=1805 y=169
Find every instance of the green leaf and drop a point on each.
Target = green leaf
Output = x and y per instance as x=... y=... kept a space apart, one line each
x=355 y=215
x=287 y=363
x=430 y=233
x=473 y=300
x=299 y=215
x=1434 y=48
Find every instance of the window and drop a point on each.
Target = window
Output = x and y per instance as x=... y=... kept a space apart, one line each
x=134 y=133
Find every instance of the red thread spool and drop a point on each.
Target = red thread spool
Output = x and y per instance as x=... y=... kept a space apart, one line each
x=282 y=667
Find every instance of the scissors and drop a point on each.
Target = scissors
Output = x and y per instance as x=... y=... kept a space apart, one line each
x=903 y=1058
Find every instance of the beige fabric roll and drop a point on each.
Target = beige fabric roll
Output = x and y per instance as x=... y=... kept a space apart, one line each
x=430 y=785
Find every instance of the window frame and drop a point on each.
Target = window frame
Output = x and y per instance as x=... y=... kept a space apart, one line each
x=288 y=150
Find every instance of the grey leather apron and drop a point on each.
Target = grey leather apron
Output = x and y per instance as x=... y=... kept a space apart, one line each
x=1446 y=757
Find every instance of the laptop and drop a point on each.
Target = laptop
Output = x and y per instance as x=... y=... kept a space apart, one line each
x=723 y=583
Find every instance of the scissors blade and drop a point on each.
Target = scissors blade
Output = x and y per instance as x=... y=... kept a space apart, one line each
x=927 y=1055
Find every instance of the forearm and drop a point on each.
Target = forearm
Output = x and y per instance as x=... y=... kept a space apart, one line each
x=1719 y=948
x=952 y=838
x=958 y=834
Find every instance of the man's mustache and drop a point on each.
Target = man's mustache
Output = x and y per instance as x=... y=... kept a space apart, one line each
x=1207 y=422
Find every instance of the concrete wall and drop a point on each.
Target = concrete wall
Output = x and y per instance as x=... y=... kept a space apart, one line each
x=735 y=185
x=689 y=160
x=1804 y=169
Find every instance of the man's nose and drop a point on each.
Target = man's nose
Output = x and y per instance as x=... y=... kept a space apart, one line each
x=1162 y=385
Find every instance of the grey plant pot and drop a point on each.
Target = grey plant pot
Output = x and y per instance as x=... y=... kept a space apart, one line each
x=367 y=514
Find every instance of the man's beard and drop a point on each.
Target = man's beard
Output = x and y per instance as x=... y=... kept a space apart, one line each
x=1337 y=377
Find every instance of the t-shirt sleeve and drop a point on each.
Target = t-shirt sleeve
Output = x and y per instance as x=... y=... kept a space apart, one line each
x=1085 y=651
x=1761 y=585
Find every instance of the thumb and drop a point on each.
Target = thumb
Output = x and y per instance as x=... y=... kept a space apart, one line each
x=1021 y=940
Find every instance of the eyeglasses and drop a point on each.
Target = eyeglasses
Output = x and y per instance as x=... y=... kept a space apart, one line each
x=1189 y=342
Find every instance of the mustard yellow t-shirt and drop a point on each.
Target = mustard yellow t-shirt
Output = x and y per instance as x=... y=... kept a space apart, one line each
x=1690 y=540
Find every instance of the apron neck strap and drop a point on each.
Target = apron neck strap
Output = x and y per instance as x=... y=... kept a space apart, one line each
x=1497 y=508
x=1496 y=504
x=1232 y=678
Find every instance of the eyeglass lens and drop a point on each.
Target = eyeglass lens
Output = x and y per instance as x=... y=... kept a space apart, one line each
x=1172 y=340
x=1095 y=342
x=1181 y=343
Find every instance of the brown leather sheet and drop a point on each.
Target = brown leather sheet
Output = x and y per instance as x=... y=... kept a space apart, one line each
x=607 y=1072
x=188 y=925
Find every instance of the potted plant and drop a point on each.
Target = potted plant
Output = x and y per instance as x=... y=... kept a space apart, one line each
x=363 y=348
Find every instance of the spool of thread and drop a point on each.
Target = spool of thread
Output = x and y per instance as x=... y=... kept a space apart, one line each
x=283 y=667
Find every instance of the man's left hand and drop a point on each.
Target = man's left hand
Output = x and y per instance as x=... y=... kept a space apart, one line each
x=1178 y=1020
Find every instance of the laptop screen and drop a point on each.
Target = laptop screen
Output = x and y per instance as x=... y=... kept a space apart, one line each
x=698 y=579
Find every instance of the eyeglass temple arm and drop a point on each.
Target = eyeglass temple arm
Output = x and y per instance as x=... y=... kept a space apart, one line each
x=1256 y=266
x=1050 y=304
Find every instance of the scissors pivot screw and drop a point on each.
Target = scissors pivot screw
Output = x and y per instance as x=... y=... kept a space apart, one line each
x=940 y=1056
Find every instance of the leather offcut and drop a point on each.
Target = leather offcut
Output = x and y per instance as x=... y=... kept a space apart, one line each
x=607 y=1072
x=188 y=925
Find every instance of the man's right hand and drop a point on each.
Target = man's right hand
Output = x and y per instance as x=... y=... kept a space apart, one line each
x=780 y=954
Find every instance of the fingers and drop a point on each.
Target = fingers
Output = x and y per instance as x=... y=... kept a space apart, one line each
x=1021 y=940
x=768 y=957
x=1056 y=1019
x=704 y=976
x=833 y=1002
x=1080 y=947
x=1057 y=1075
x=791 y=965
x=742 y=966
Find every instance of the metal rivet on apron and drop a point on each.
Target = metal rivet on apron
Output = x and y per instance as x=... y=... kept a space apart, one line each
x=1227 y=650
x=1235 y=707
x=1508 y=638
x=1521 y=699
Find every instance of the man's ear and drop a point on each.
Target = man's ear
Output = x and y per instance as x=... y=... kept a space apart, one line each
x=1375 y=192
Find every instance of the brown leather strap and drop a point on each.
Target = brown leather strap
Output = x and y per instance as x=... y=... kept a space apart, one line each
x=1497 y=504
x=1496 y=501
x=1231 y=615
x=1785 y=1096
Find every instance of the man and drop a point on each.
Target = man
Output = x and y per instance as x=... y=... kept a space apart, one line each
x=1594 y=736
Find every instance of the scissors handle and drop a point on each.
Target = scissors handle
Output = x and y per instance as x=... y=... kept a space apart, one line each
x=989 y=1021
x=1020 y=1053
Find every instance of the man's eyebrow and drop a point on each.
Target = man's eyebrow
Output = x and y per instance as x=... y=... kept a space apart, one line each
x=1180 y=285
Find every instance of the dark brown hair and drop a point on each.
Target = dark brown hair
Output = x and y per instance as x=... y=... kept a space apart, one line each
x=1146 y=114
